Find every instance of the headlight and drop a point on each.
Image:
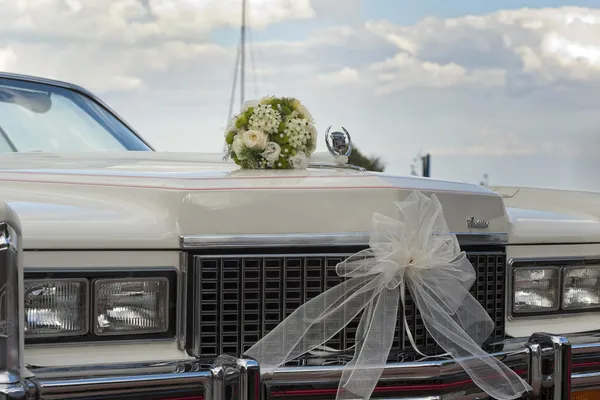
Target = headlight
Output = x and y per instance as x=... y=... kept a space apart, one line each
x=581 y=287
x=535 y=289
x=131 y=306
x=555 y=288
x=101 y=305
x=56 y=307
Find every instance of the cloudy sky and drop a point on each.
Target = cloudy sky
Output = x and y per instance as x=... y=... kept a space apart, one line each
x=505 y=87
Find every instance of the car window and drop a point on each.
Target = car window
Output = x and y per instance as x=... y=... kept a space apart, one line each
x=47 y=119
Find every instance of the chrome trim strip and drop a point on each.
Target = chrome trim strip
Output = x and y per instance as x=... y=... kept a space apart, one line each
x=11 y=356
x=191 y=380
x=182 y=279
x=107 y=108
x=583 y=381
x=587 y=348
x=227 y=374
x=555 y=260
x=404 y=371
x=197 y=242
x=195 y=317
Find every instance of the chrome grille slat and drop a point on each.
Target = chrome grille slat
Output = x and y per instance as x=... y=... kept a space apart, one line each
x=243 y=297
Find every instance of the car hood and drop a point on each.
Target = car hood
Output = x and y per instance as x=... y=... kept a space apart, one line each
x=544 y=216
x=150 y=200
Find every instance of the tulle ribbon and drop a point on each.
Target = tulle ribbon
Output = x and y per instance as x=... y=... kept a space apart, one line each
x=415 y=251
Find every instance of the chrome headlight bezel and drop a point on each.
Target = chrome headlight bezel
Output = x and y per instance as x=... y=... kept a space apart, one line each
x=95 y=290
x=565 y=271
x=168 y=273
x=557 y=284
x=85 y=305
x=562 y=265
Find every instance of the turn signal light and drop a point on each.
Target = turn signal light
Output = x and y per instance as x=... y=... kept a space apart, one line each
x=593 y=394
x=185 y=398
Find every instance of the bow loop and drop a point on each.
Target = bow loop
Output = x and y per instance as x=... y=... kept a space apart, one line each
x=417 y=252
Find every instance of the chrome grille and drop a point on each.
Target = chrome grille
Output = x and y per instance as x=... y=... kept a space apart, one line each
x=240 y=298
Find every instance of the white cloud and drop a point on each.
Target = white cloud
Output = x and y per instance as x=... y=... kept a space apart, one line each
x=539 y=46
x=135 y=20
x=403 y=71
x=345 y=76
x=347 y=12
x=8 y=58
x=492 y=142
x=189 y=17
x=519 y=49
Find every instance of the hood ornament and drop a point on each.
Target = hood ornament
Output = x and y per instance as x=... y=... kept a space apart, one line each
x=339 y=144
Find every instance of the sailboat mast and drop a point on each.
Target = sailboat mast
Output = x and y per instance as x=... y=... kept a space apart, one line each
x=243 y=53
x=240 y=66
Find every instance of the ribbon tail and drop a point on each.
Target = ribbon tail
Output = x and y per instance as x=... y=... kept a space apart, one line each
x=461 y=333
x=314 y=323
x=360 y=376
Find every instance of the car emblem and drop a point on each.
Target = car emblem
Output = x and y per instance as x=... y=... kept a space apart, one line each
x=473 y=223
x=338 y=143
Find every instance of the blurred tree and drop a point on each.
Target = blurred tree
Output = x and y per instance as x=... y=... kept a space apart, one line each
x=369 y=163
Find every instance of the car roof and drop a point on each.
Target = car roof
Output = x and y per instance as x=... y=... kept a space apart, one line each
x=47 y=81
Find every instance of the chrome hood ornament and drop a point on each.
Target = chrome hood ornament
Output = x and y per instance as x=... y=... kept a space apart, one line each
x=339 y=144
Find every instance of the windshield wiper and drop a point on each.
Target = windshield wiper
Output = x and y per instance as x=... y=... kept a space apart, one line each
x=8 y=141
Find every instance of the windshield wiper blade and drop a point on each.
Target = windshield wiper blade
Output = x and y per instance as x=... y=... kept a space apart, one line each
x=8 y=141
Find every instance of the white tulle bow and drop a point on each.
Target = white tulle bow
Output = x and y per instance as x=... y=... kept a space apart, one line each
x=416 y=251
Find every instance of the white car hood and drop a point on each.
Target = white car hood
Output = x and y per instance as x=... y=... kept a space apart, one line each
x=545 y=216
x=143 y=200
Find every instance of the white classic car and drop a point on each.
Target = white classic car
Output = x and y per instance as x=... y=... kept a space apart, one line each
x=133 y=274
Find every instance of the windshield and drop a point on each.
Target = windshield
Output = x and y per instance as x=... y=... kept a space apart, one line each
x=46 y=118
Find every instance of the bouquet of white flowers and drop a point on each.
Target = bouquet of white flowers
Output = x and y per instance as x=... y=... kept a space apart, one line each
x=273 y=132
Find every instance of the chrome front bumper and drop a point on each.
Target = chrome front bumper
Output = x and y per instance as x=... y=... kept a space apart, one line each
x=555 y=366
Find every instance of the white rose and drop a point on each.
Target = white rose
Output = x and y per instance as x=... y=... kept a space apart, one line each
x=238 y=146
x=314 y=134
x=272 y=152
x=304 y=111
x=254 y=139
x=248 y=104
x=231 y=126
x=266 y=99
x=299 y=161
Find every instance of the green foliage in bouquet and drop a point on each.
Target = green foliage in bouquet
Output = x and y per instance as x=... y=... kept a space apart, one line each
x=273 y=132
